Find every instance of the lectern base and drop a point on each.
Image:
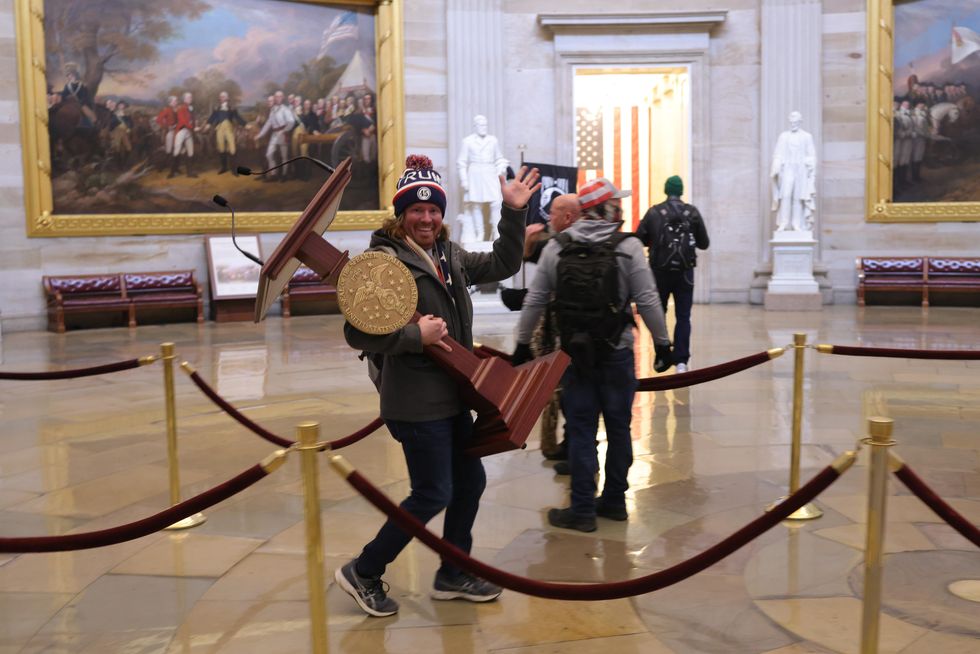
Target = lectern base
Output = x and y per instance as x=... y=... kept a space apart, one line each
x=526 y=398
x=233 y=310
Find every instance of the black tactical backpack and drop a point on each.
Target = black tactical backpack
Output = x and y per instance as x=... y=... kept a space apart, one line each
x=675 y=248
x=592 y=312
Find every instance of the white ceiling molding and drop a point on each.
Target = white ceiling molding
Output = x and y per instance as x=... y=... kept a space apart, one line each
x=646 y=21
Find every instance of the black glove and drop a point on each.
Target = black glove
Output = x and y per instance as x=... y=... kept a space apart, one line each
x=522 y=354
x=665 y=358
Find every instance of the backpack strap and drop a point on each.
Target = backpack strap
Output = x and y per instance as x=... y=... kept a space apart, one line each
x=613 y=242
x=619 y=237
x=564 y=240
x=686 y=212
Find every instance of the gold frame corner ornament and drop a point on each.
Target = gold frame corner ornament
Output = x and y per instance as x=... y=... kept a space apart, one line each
x=878 y=181
x=36 y=146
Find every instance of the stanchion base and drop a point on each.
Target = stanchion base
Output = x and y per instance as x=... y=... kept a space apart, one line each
x=188 y=522
x=805 y=512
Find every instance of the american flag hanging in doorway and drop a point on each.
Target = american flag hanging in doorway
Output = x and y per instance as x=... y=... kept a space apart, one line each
x=614 y=142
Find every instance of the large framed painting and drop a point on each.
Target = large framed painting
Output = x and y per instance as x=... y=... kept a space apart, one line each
x=923 y=110
x=135 y=113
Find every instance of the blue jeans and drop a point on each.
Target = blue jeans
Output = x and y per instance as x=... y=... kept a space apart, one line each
x=608 y=390
x=680 y=284
x=442 y=476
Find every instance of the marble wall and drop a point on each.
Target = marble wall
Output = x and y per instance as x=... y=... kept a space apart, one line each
x=728 y=196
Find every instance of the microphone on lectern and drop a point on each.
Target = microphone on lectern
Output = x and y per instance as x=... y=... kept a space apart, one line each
x=245 y=170
x=222 y=202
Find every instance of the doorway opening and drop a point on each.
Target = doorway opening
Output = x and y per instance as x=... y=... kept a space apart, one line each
x=633 y=126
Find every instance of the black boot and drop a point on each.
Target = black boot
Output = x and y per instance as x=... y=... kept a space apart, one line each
x=173 y=167
x=224 y=163
x=232 y=166
x=190 y=173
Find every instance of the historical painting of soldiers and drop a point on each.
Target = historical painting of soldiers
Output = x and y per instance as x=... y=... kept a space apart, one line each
x=154 y=106
x=936 y=118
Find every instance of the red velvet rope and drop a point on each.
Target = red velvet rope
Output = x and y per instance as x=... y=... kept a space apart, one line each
x=961 y=355
x=701 y=375
x=140 y=528
x=259 y=430
x=604 y=591
x=952 y=517
x=350 y=439
x=667 y=382
x=238 y=415
x=72 y=373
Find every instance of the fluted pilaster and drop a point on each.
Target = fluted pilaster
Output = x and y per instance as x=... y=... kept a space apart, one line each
x=475 y=70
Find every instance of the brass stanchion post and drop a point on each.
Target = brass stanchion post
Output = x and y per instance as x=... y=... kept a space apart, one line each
x=874 y=544
x=168 y=356
x=308 y=433
x=808 y=511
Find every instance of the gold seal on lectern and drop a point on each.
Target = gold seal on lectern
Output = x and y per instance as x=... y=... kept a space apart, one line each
x=377 y=293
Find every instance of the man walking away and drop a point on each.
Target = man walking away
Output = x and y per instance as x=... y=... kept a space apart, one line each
x=594 y=272
x=672 y=230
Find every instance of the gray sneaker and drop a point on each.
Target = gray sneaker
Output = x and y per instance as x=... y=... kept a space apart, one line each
x=464 y=586
x=369 y=593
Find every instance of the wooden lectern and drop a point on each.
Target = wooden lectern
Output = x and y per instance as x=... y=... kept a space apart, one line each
x=507 y=400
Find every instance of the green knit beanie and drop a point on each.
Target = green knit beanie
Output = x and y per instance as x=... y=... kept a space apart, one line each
x=674 y=186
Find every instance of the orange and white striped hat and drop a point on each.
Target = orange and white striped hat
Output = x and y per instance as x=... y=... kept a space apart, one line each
x=598 y=191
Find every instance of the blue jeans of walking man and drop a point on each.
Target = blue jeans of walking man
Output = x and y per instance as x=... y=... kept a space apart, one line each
x=607 y=390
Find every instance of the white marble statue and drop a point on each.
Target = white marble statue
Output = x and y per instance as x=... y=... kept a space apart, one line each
x=480 y=162
x=794 y=171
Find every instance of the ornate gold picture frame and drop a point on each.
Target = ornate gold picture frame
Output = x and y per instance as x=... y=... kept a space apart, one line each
x=43 y=220
x=883 y=166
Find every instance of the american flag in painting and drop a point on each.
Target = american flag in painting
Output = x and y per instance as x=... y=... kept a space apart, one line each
x=342 y=29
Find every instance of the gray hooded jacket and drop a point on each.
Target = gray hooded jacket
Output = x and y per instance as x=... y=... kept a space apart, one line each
x=635 y=279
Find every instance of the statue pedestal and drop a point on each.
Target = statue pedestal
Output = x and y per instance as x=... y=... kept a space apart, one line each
x=792 y=287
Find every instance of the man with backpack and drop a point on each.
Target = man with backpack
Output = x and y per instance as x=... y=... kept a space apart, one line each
x=672 y=230
x=590 y=273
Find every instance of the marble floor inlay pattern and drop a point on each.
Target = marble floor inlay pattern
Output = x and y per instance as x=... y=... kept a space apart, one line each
x=86 y=454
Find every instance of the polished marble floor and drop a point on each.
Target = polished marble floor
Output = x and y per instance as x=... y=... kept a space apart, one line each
x=88 y=454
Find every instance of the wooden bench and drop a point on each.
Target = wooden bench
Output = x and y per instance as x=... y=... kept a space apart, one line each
x=170 y=289
x=306 y=286
x=952 y=274
x=918 y=275
x=120 y=292
x=83 y=294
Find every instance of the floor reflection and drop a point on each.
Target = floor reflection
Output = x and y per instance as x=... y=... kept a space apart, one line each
x=89 y=454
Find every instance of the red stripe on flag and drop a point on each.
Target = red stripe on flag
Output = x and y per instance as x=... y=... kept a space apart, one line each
x=635 y=147
x=617 y=149
x=581 y=178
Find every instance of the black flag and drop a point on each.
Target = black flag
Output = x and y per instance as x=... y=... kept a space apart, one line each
x=555 y=181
